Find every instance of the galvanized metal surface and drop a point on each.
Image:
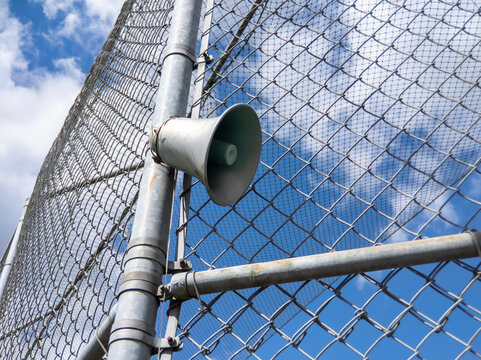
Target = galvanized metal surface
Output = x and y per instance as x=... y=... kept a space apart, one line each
x=12 y=251
x=174 y=309
x=154 y=210
x=341 y=263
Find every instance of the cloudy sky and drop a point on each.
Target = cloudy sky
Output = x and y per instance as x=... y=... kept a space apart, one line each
x=46 y=49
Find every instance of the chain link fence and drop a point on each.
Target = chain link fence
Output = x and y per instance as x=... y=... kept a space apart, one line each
x=370 y=113
x=77 y=224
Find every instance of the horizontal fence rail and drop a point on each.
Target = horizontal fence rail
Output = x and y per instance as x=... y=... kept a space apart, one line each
x=304 y=268
x=186 y=286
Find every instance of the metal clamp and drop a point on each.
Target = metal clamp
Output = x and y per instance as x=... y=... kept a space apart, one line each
x=144 y=281
x=179 y=266
x=475 y=235
x=139 y=280
x=163 y=293
x=181 y=49
x=203 y=58
x=145 y=252
x=137 y=330
x=154 y=138
x=145 y=248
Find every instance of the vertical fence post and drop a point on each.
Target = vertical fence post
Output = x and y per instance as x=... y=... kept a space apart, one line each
x=144 y=261
x=174 y=308
x=12 y=252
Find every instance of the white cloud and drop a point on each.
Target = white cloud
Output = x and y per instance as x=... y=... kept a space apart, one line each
x=446 y=208
x=81 y=19
x=31 y=115
x=33 y=101
x=51 y=8
x=361 y=282
x=104 y=9
x=11 y=34
x=37 y=110
x=70 y=25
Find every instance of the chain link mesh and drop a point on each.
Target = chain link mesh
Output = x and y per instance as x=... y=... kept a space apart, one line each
x=370 y=114
x=371 y=124
x=78 y=221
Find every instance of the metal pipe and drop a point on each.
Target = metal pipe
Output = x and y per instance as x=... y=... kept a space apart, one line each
x=94 y=350
x=95 y=179
x=138 y=303
x=408 y=253
x=12 y=251
x=175 y=307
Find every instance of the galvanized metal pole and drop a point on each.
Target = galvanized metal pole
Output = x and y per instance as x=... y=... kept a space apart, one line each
x=7 y=267
x=409 y=253
x=145 y=257
x=174 y=308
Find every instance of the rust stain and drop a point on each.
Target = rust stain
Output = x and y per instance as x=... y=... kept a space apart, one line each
x=259 y=269
x=151 y=183
x=284 y=262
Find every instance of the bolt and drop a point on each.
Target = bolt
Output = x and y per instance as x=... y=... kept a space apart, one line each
x=170 y=340
x=182 y=263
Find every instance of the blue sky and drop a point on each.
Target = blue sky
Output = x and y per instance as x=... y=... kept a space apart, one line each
x=46 y=49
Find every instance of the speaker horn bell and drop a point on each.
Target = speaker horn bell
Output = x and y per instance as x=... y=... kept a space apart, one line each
x=222 y=152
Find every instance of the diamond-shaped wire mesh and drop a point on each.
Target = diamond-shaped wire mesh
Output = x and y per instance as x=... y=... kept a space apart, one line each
x=370 y=113
x=78 y=221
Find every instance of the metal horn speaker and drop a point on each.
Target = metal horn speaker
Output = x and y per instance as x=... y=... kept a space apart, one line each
x=222 y=152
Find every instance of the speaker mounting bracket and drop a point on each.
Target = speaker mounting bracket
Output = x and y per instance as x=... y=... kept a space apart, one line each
x=174 y=267
x=129 y=329
x=203 y=58
x=178 y=266
x=155 y=136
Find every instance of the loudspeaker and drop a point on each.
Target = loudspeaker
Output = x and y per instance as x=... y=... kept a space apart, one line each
x=221 y=152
